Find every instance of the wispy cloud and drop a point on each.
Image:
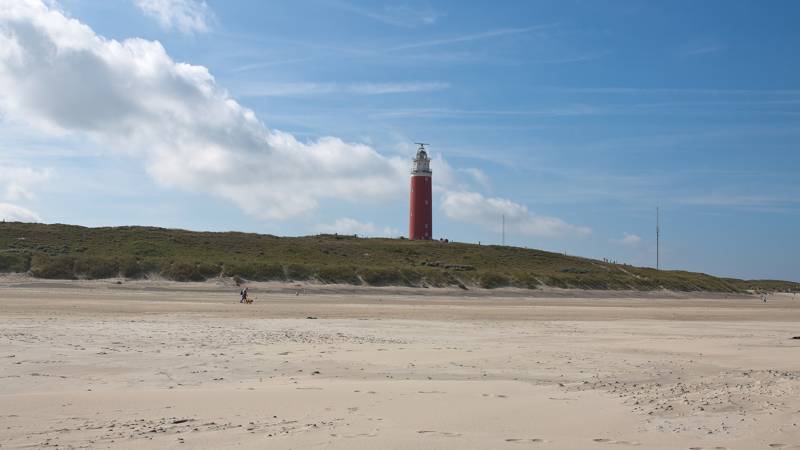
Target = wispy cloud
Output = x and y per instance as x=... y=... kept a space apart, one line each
x=572 y=59
x=269 y=63
x=471 y=37
x=310 y=88
x=396 y=15
x=739 y=200
x=702 y=48
x=478 y=175
x=439 y=52
x=571 y=110
x=396 y=88
x=187 y=16
x=677 y=91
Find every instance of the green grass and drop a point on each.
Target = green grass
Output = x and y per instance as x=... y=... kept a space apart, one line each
x=73 y=252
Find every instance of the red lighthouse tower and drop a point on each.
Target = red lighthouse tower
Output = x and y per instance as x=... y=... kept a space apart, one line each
x=420 y=223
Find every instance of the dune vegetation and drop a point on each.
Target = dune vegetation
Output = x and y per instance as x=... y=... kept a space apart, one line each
x=74 y=252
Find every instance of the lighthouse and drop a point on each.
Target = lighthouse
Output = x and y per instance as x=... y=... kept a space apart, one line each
x=420 y=221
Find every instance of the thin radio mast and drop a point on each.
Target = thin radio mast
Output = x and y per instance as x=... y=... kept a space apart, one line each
x=658 y=236
x=504 y=229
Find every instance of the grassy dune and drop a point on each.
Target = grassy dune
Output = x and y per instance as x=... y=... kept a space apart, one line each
x=72 y=252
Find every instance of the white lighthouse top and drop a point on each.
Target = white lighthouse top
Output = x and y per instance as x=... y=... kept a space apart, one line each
x=422 y=164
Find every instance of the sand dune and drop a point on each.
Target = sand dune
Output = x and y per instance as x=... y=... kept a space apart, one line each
x=168 y=365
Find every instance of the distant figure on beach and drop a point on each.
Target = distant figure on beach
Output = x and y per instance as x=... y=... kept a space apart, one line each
x=243 y=295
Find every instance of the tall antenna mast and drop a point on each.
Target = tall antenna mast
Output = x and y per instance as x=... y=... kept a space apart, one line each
x=504 y=229
x=658 y=236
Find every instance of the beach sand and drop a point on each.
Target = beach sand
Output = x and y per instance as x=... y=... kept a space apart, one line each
x=168 y=365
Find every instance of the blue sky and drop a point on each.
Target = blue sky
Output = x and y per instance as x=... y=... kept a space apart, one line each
x=574 y=119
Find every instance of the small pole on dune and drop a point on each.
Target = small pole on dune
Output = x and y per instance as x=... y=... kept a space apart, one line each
x=658 y=236
x=504 y=230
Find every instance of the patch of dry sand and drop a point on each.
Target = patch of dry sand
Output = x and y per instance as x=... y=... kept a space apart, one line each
x=185 y=365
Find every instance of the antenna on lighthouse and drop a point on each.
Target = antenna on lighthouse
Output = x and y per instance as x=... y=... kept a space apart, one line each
x=421 y=145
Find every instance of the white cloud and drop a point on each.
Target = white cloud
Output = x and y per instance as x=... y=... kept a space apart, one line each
x=18 y=183
x=474 y=208
x=61 y=77
x=14 y=213
x=347 y=225
x=628 y=240
x=187 y=16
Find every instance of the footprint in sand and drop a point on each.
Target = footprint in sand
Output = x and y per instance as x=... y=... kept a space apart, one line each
x=609 y=441
x=525 y=441
x=777 y=445
x=438 y=433
x=361 y=435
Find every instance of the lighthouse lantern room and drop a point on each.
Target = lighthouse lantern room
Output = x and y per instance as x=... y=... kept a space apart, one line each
x=420 y=226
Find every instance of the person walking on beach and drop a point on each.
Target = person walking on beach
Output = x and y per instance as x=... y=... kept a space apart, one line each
x=243 y=295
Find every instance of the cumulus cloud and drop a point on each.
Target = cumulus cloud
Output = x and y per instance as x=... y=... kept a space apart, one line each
x=186 y=16
x=60 y=76
x=474 y=208
x=14 y=213
x=628 y=240
x=346 y=225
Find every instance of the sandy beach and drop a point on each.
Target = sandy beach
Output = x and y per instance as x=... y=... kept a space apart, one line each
x=169 y=365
